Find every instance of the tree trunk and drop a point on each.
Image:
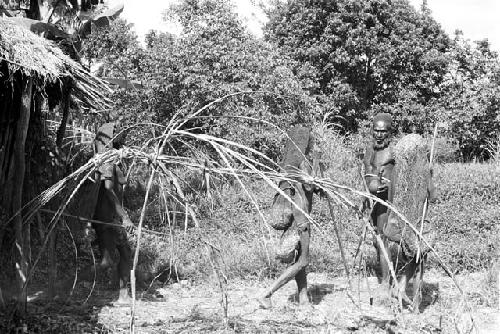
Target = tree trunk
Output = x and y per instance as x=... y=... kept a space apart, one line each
x=17 y=196
x=51 y=254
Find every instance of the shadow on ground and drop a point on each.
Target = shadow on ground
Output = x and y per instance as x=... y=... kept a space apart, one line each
x=63 y=314
x=317 y=292
x=430 y=293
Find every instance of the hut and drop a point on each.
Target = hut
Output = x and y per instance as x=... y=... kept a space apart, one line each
x=33 y=72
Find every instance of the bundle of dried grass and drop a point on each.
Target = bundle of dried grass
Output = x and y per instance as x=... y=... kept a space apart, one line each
x=412 y=180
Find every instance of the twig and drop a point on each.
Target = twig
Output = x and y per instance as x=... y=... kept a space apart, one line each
x=94 y=221
x=341 y=247
x=221 y=279
x=426 y=201
x=76 y=259
x=139 y=233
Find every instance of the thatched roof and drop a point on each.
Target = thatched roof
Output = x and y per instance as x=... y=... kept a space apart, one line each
x=34 y=56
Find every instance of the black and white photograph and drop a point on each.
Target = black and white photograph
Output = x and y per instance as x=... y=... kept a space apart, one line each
x=250 y=166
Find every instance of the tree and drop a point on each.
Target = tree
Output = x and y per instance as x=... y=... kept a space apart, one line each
x=113 y=46
x=214 y=57
x=470 y=104
x=362 y=53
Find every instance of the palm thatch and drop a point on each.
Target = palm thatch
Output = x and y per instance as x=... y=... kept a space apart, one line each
x=36 y=57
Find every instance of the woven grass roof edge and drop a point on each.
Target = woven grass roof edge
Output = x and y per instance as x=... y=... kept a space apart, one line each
x=21 y=50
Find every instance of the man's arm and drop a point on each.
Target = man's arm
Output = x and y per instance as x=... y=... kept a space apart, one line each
x=109 y=177
x=110 y=192
x=370 y=171
x=388 y=173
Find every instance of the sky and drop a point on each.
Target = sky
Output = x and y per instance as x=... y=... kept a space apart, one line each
x=478 y=19
x=147 y=15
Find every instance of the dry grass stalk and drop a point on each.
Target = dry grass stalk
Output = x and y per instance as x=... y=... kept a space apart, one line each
x=426 y=203
x=215 y=258
x=342 y=252
x=139 y=232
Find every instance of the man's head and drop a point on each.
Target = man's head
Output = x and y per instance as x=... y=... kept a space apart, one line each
x=382 y=124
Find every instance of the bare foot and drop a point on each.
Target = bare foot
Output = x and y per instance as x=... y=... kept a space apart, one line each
x=123 y=301
x=304 y=302
x=265 y=302
x=304 y=298
x=123 y=298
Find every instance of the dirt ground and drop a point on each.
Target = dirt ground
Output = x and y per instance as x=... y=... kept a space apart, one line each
x=336 y=308
x=184 y=308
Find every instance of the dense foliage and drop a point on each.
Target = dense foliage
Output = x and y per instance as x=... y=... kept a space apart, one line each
x=370 y=56
x=470 y=104
x=214 y=58
x=365 y=54
x=347 y=59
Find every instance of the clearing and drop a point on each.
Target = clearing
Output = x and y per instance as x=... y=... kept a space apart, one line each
x=181 y=308
x=186 y=308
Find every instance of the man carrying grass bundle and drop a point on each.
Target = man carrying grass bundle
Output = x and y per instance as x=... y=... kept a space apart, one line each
x=294 y=242
x=414 y=191
x=379 y=164
x=403 y=168
x=111 y=234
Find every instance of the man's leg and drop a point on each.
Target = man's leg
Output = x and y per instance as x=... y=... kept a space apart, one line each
x=301 y=279
x=124 y=265
x=106 y=245
x=418 y=284
x=381 y=217
x=297 y=271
